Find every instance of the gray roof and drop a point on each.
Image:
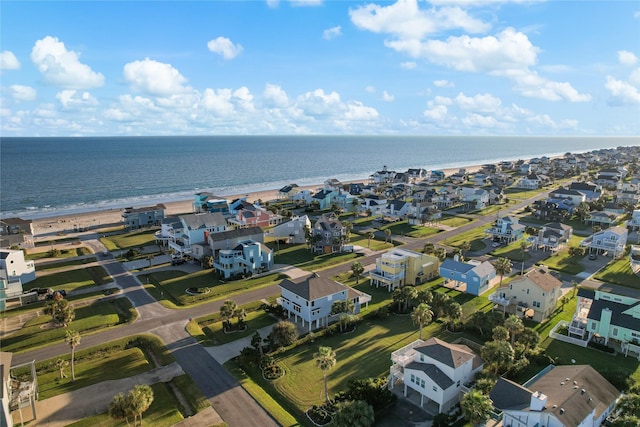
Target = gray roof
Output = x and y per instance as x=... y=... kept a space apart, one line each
x=433 y=372
x=449 y=354
x=203 y=220
x=313 y=287
x=235 y=234
x=509 y=395
x=618 y=317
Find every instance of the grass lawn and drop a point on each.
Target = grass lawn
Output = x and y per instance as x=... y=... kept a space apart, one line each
x=475 y=236
x=373 y=244
x=619 y=272
x=67 y=263
x=511 y=251
x=302 y=257
x=254 y=321
x=454 y=221
x=37 y=332
x=561 y=261
x=403 y=228
x=129 y=240
x=168 y=286
x=72 y=279
x=64 y=253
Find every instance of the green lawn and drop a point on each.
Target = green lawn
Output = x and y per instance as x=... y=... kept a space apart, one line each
x=254 y=321
x=64 y=253
x=561 y=261
x=619 y=272
x=403 y=228
x=72 y=279
x=454 y=221
x=129 y=240
x=168 y=286
x=37 y=332
x=66 y=263
x=373 y=244
x=511 y=251
x=302 y=257
x=475 y=236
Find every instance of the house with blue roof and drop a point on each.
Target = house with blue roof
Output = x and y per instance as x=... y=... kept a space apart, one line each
x=476 y=276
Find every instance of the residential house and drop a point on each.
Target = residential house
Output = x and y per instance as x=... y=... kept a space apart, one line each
x=459 y=177
x=611 y=241
x=609 y=319
x=439 y=372
x=324 y=198
x=436 y=175
x=209 y=202
x=634 y=259
x=533 y=295
x=416 y=175
x=231 y=238
x=5 y=394
x=590 y=190
x=446 y=197
x=614 y=209
x=374 y=203
x=383 y=176
x=355 y=188
x=309 y=299
x=530 y=182
x=247 y=258
x=16 y=232
x=304 y=196
x=552 y=210
x=251 y=215
x=328 y=234
x=143 y=217
x=193 y=229
x=507 y=229
x=333 y=184
x=400 y=267
x=575 y=196
x=14 y=268
x=634 y=223
x=473 y=277
x=398 y=208
x=475 y=198
x=293 y=231
x=552 y=236
x=423 y=213
x=564 y=396
x=288 y=191
x=481 y=179
x=347 y=201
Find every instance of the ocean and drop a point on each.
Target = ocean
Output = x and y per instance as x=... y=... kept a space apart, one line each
x=42 y=177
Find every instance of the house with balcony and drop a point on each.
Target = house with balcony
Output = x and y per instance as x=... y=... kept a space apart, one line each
x=529 y=182
x=398 y=208
x=14 y=267
x=590 y=190
x=611 y=241
x=247 y=258
x=225 y=240
x=416 y=174
x=375 y=203
x=423 y=213
x=574 y=196
x=473 y=277
x=564 y=396
x=600 y=218
x=400 y=267
x=437 y=371
x=193 y=229
x=475 y=198
x=147 y=216
x=609 y=319
x=383 y=176
x=328 y=235
x=209 y=202
x=288 y=191
x=634 y=223
x=324 y=198
x=308 y=300
x=506 y=229
x=533 y=295
x=552 y=236
x=552 y=209
x=293 y=231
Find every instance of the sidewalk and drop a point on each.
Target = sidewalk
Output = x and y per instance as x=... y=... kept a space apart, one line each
x=225 y=352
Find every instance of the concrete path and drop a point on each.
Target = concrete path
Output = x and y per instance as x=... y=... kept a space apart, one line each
x=226 y=352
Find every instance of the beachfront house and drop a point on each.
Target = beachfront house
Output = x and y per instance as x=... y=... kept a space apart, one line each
x=147 y=216
x=532 y=296
x=209 y=202
x=324 y=198
x=328 y=235
x=194 y=229
x=609 y=242
x=608 y=318
x=16 y=232
x=506 y=229
x=383 y=176
x=248 y=257
x=308 y=300
x=288 y=191
x=245 y=214
x=564 y=396
x=473 y=277
x=400 y=267
x=15 y=268
x=552 y=236
x=435 y=370
x=293 y=231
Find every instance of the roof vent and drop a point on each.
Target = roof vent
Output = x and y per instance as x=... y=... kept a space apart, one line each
x=566 y=379
x=562 y=383
x=554 y=406
x=575 y=382
x=575 y=387
x=583 y=391
x=561 y=411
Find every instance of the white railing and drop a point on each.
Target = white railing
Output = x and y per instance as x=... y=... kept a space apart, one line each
x=560 y=337
x=495 y=297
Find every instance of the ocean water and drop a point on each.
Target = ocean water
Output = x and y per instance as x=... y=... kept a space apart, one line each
x=42 y=177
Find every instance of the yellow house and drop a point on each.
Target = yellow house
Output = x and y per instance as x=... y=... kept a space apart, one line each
x=400 y=267
x=533 y=295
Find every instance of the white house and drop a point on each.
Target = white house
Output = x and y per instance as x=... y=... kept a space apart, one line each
x=552 y=236
x=565 y=396
x=195 y=229
x=309 y=299
x=15 y=269
x=634 y=223
x=293 y=230
x=611 y=241
x=438 y=371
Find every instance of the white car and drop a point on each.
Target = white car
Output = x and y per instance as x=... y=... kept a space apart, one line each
x=495 y=244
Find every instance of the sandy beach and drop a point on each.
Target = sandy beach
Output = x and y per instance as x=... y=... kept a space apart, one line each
x=111 y=217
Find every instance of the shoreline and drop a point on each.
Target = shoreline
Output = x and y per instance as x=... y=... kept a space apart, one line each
x=70 y=222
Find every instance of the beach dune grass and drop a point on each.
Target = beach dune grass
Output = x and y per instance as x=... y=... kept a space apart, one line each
x=37 y=332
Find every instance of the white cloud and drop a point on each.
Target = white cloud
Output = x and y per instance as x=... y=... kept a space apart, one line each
x=305 y=3
x=72 y=99
x=8 y=61
x=406 y=20
x=634 y=77
x=274 y=96
x=442 y=83
x=225 y=47
x=622 y=93
x=627 y=58
x=357 y=111
x=481 y=102
x=319 y=103
x=409 y=65
x=154 y=78
x=332 y=33
x=387 y=97
x=436 y=113
x=61 y=67
x=22 y=93
x=370 y=89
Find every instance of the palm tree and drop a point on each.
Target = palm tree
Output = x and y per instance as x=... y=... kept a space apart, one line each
x=61 y=364
x=428 y=248
x=500 y=333
x=514 y=325
x=476 y=407
x=119 y=408
x=325 y=360
x=523 y=247
x=228 y=310
x=441 y=253
x=574 y=284
x=342 y=308
x=357 y=269
x=387 y=235
x=503 y=267
x=354 y=413
x=370 y=236
x=453 y=311
x=141 y=397
x=465 y=246
x=422 y=315
x=72 y=338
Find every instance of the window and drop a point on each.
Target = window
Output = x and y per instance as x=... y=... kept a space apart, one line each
x=527 y=291
x=458 y=385
x=615 y=332
x=422 y=383
x=435 y=388
x=422 y=357
x=413 y=378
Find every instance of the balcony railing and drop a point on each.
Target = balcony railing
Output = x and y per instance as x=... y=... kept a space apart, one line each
x=405 y=355
x=496 y=298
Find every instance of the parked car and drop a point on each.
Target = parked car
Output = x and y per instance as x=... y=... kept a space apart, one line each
x=177 y=261
x=62 y=293
x=592 y=256
x=495 y=244
x=39 y=291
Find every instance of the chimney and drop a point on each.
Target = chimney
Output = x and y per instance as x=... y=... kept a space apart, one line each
x=538 y=401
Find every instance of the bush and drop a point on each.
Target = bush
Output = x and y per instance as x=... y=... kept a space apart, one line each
x=601 y=347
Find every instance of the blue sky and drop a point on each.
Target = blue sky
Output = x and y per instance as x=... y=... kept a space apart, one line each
x=469 y=67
